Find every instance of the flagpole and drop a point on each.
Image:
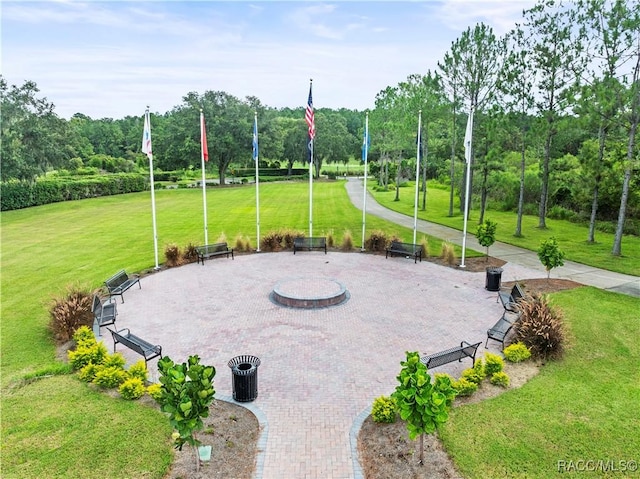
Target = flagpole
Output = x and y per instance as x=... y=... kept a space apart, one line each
x=415 y=203
x=146 y=148
x=468 y=143
x=365 y=153
x=203 y=143
x=309 y=117
x=255 y=158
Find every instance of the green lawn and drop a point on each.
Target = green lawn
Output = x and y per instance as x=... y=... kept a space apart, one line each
x=571 y=237
x=59 y=427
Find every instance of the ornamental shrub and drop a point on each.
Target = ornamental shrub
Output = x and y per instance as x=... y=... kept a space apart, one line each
x=424 y=243
x=86 y=353
x=172 y=255
x=383 y=410
x=114 y=360
x=189 y=254
x=540 y=328
x=492 y=363
x=475 y=374
x=108 y=377
x=486 y=234
x=516 y=352
x=377 y=241
x=550 y=254
x=69 y=312
x=500 y=379
x=272 y=241
x=448 y=253
x=464 y=387
x=132 y=388
x=88 y=372
x=347 y=241
x=155 y=391
x=84 y=335
x=138 y=370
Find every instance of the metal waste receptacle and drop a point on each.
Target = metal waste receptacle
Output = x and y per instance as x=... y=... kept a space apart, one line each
x=494 y=277
x=244 y=370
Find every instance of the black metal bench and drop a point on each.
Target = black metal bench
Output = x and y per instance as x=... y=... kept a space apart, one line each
x=104 y=314
x=405 y=249
x=510 y=300
x=210 y=250
x=120 y=282
x=312 y=242
x=465 y=350
x=500 y=330
x=147 y=350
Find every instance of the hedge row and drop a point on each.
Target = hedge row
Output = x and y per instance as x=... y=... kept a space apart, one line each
x=22 y=194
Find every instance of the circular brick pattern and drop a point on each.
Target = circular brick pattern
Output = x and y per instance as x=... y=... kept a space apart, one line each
x=309 y=293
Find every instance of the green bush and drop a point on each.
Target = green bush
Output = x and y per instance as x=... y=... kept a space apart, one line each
x=116 y=360
x=109 y=377
x=138 y=370
x=132 y=388
x=383 y=410
x=492 y=364
x=69 y=312
x=86 y=353
x=500 y=379
x=155 y=391
x=464 y=387
x=88 y=372
x=475 y=374
x=517 y=352
x=84 y=335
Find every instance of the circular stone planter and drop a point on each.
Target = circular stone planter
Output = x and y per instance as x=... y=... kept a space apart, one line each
x=309 y=293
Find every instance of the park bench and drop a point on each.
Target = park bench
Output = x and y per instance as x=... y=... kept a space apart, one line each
x=210 y=250
x=405 y=249
x=105 y=313
x=465 y=350
x=120 y=282
x=510 y=300
x=147 y=350
x=312 y=242
x=500 y=330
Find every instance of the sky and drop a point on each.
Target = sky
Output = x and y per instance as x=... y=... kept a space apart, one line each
x=112 y=59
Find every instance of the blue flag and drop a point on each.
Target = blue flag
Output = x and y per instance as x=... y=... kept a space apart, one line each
x=255 y=138
x=366 y=143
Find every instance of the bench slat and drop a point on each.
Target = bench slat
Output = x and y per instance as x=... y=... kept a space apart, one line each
x=147 y=350
x=309 y=243
x=465 y=350
x=214 y=249
x=120 y=282
x=405 y=249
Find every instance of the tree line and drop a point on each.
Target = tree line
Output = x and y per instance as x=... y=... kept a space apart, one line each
x=556 y=109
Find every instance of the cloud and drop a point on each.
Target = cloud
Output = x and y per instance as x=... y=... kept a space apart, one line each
x=501 y=15
x=324 y=21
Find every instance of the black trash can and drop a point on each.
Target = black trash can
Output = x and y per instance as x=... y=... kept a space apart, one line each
x=244 y=370
x=494 y=277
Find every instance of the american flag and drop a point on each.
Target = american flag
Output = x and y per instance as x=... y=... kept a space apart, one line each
x=308 y=116
x=203 y=138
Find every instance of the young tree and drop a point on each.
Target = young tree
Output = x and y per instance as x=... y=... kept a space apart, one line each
x=486 y=234
x=187 y=392
x=550 y=255
x=423 y=404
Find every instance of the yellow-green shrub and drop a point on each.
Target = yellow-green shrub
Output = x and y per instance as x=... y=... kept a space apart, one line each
x=517 y=352
x=500 y=379
x=464 y=387
x=132 y=388
x=155 y=391
x=138 y=370
x=383 y=410
x=109 y=377
x=492 y=363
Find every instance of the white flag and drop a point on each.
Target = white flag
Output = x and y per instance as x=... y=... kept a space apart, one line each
x=468 y=138
x=146 y=136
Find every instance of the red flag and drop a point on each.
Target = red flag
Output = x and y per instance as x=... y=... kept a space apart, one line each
x=309 y=117
x=203 y=138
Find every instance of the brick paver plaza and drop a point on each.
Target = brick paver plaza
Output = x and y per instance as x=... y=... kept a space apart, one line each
x=321 y=369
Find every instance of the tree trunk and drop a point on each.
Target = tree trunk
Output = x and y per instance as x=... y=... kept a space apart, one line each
x=424 y=170
x=398 y=171
x=483 y=194
x=602 y=133
x=453 y=159
x=422 y=449
x=542 y=210
x=617 y=242
x=518 y=232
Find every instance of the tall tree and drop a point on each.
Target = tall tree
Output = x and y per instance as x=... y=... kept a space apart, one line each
x=556 y=59
x=608 y=32
x=517 y=84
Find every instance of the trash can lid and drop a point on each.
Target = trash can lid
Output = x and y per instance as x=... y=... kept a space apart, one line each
x=253 y=360
x=494 y=269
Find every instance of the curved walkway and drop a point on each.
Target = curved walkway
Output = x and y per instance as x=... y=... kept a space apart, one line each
x=587 y=275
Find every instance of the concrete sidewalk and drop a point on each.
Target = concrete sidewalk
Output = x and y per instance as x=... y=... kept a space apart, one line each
x=587 y=275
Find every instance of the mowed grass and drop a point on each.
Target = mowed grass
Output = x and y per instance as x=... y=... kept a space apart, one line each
x=60 y=427
x=571 y=237
x=582 y=408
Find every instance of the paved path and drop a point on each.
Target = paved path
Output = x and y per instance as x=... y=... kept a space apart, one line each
x=321 y=369
x=588 y=275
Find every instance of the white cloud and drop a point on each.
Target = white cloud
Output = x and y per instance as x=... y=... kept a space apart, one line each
x=501 y=15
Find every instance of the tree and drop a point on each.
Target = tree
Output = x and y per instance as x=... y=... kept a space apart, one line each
x=550 y=255
x=608 y=31
x=486 y=234
x=187 y=391
x=556 y=60
x=422 y=404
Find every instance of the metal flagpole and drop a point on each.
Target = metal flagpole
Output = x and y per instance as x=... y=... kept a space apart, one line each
x=203 y=147
x=468 y=143
x=365 y=154
x=309 y=117
x=415 y=203
x=255 y=158
x=146 y=148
